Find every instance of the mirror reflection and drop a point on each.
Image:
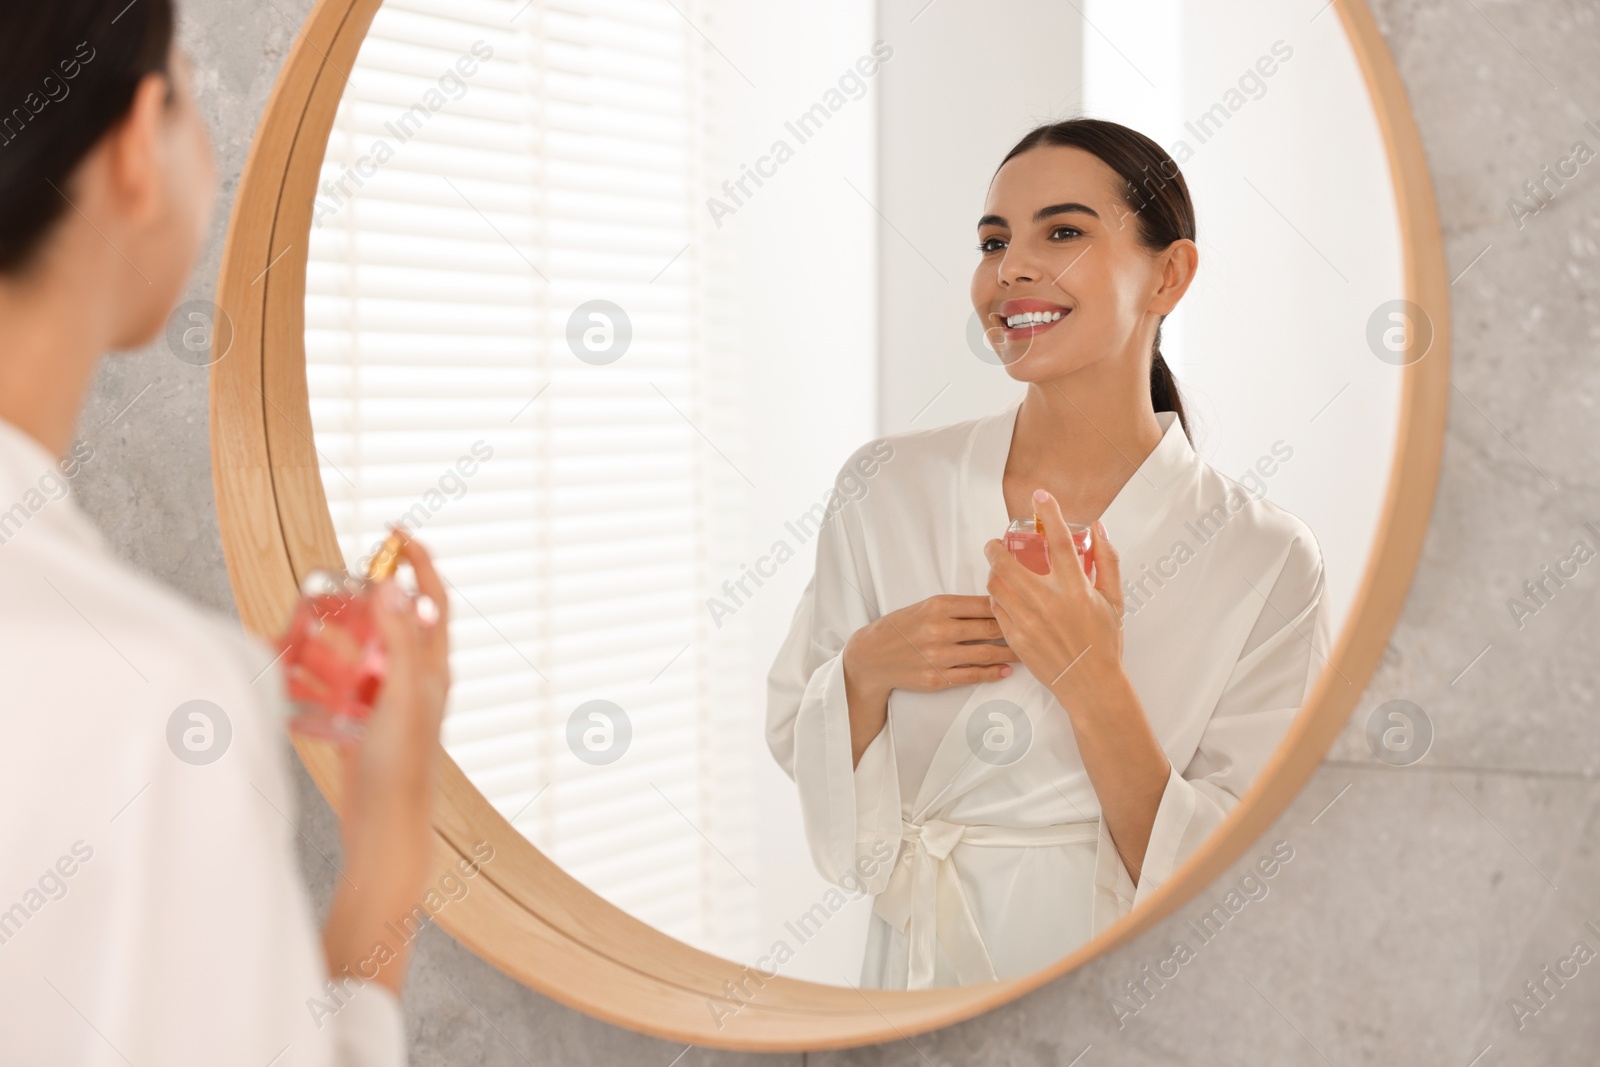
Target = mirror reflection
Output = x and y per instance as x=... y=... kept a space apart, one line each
x=718 y=356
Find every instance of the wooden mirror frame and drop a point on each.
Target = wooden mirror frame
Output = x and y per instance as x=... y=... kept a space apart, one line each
x=523 y=913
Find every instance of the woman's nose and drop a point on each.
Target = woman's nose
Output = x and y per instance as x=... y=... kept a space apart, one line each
x=1016 y=267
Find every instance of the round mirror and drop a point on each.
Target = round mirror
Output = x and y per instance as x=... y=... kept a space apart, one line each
x=713 y=350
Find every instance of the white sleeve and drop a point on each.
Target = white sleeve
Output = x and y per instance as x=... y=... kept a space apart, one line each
x=848 y=812
x=223 y=923
x=1279 y=663
x=152 y=908
x=371 y=1030
x=367 y=1029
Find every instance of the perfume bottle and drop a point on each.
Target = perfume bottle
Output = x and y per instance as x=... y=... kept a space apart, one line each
x=333 y=656
x=1025 y=540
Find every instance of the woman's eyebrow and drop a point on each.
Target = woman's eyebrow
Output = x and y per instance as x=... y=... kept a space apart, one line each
x=1071 y=207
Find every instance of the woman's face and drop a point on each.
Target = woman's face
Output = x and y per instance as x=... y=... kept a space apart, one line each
x=1062 y=281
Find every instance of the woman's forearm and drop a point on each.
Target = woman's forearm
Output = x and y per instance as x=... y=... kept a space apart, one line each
x=355 y=942
x=1124 y=761
x=379 y=892
x=868 y=703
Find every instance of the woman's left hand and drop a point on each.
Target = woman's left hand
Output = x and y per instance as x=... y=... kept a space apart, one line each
x=1066 y=630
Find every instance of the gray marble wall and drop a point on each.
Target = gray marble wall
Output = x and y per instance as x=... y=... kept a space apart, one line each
x=1419 y=899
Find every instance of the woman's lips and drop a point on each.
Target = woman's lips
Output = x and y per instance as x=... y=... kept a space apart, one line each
x=1030 y=324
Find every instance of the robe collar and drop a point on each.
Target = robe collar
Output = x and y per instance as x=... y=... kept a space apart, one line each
x=1131 y=516
x=22 y=458
x=35 y=495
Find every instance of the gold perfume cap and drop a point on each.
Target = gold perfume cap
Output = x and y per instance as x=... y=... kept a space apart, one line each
x=387 y=559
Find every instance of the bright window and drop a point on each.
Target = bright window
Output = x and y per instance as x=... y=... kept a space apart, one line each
x=495 y=167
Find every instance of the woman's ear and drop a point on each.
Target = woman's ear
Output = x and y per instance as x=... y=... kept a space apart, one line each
x=1177 y=264
x=135 y=155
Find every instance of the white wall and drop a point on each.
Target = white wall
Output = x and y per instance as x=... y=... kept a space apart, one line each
x=967 y=81
x=802 y=256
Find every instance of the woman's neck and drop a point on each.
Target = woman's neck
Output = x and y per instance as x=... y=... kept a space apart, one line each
x=51 y=340
x=1081 y=438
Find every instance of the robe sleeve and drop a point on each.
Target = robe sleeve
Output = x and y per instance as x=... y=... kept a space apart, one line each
x=368 y=1030
x=229 y=836
x=1279 y=663
x=851 y=815
x=151 y=805
x=373 y=1035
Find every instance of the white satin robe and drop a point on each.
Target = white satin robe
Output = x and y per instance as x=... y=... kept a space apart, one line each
x=151 y=909
x=1002 y=869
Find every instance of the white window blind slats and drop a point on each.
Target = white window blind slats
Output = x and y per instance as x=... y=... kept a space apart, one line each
x=591 y=804
x=496 y=14
x=421 y=202
x=579 y=512
x=556 y=29
x=416 y=88
x=607 y=143
x=571 y=40
x=489 y=708
x=620 y=267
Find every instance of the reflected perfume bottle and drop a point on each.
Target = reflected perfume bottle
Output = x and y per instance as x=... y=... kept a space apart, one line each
x=1025 y=540
x=333 y=656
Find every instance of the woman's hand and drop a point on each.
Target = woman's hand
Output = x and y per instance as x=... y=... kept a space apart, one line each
x=920 y=647
x=1067 y=630
x=1069 y=633
x=390 y=779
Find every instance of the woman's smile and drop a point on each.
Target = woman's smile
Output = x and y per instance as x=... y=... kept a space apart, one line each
x=1026 y=319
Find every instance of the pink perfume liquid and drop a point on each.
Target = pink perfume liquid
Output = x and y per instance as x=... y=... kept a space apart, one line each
x=1030 y=549
x=333 y=657
x=1026 y=541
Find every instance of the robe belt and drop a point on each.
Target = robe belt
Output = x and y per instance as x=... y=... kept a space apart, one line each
x=924 y=899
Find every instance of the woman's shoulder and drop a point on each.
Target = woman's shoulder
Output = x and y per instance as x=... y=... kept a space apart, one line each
x=104 y=606
x=1267 y=526
x=117 y=680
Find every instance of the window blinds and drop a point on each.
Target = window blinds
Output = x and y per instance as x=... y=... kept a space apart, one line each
x=494 y=167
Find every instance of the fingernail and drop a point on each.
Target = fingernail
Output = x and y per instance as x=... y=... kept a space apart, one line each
x=1005 y=672
x=427 y=610
x=1040 y=495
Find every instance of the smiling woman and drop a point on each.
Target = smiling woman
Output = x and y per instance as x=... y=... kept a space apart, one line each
x=1126 y=745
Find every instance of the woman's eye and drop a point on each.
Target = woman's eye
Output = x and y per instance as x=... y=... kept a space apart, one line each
x=1063 y=233
x=991 y=244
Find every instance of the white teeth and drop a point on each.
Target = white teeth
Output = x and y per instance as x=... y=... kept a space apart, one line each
x=1031 y=318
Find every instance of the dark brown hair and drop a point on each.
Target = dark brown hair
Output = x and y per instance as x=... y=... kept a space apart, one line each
x=1162 y=210
x=68 y=71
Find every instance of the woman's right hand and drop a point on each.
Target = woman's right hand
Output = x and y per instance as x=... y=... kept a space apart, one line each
x=390 y=783
x=921 y=647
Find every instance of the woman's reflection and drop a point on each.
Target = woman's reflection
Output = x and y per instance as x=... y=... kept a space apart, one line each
x=1034 y=754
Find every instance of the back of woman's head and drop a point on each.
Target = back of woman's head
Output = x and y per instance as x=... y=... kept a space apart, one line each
x=68 y=71
x=1154 y=189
